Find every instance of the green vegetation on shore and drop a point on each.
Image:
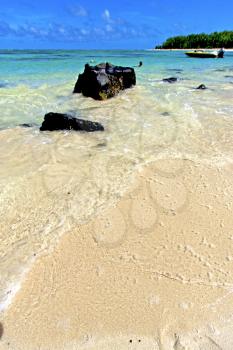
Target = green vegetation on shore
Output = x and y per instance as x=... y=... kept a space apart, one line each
x=195 y=41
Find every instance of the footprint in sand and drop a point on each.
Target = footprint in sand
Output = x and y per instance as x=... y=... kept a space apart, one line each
x=143 y=212
x=164 y=193
x=109 y=229
x=169 y=194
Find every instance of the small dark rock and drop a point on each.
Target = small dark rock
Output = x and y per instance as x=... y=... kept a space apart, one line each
x=165 y=114
x=59 y=121
x=176 y=70
x=170 y=80
x=104 y=80
x=28 y=125
x=102 y=144
x=201 y=87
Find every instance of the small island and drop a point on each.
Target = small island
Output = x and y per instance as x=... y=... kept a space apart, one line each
x=197 y=41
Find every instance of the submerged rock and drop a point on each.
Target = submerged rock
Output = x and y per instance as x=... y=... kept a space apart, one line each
x=170 y=80
x=104 y=80
x=28 y=125
x=3 y=85
x=175 y=69
x=201 y=87
x=59 y=121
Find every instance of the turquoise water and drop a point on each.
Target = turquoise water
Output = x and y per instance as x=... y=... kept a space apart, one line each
x=30 y=71
x=50 y=182
x=34 y=68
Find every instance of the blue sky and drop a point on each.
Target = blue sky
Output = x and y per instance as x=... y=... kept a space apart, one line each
x=107 y=24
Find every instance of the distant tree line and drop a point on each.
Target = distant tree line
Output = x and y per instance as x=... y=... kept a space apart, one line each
x=195 y=41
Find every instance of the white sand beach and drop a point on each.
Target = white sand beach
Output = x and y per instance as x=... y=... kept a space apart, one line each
x=153 y=271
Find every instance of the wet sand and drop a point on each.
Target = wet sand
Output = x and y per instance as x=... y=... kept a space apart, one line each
x=154 y=271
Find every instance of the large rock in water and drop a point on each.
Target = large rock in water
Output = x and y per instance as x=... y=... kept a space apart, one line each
x=104 y=80
x=59 y=121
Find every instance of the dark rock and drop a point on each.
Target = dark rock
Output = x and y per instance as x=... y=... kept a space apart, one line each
x=1 y=330
x=3 y=85
x=176 y=70
x=170 y=80
x=201 y=87
x=103 y=144
x=28 y=125
x=104 y=80
x=140 y=64
x=59 y=121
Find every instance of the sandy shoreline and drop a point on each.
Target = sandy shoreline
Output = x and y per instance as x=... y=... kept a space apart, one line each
x=146 y=273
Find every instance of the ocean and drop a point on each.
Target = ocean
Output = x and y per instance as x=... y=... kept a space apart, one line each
x=52 y=182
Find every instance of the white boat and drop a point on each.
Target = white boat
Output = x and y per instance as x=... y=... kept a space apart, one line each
x=206 y=54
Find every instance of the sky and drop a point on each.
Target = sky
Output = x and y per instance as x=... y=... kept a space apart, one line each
x=107 y=24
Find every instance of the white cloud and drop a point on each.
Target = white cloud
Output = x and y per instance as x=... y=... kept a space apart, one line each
x=78 y=10
x=84 y=31
x=106 y=15
x=61 y=30
x=109 y=28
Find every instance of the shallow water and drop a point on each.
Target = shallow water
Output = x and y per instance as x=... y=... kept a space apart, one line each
x=50 y=182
